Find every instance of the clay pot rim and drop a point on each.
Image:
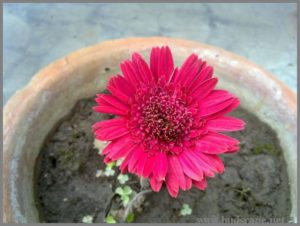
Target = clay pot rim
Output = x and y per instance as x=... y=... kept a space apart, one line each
x=73 y=58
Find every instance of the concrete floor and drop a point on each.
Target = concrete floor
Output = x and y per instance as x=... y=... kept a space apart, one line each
x=37 y=34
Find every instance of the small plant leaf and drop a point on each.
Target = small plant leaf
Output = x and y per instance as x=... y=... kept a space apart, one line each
x=110 y=219
x=88 y=219
x=123 y=178
x=109 y=172
x=127 y=190
x=124 y=193
x=185 y=210
x=125 y=200
x=119 y=191
x=130 y=218
x=111 y=165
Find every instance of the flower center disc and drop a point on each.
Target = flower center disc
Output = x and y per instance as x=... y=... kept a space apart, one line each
x=161 y=114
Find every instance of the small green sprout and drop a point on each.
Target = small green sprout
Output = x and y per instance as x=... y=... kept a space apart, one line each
x=110 y=219
x=124 y=193
x=88 y=219
x=266 y=148
x=185 y=210
x=111 y=165
x=109 y=172
x=123 y=178
x=130 y=218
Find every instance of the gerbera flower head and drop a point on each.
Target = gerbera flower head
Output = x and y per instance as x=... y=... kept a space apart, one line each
x=167 y=121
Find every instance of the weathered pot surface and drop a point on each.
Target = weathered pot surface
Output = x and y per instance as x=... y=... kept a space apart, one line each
x=33 y=111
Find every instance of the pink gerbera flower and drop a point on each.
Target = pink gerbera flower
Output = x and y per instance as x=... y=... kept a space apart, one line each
x=167 y=121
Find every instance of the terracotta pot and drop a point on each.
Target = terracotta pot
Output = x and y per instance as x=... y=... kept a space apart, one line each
x=33 y=111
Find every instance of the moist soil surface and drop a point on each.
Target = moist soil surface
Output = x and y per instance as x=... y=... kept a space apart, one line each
x=254 y=185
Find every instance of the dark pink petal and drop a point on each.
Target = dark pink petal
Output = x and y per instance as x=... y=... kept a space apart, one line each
x=218 y=96
x=109 y=110
x=110 y=129
x=160 y=166
x=173 y=76
x=134 y=160
x=210 y=147
x=130 y=73
x=226 y=110
x=217 y=137
x=116 y=122
x=121 y=84
x=200 y=184
x=141 y=163
x=208 y=173
x=166 y=65
x=161 y=62
x=154 y=59
x=204 y=89
x=155 y=184
x=149 y=166
x=205 y=168
x=190 y=75
x=186 y=66
x=213 y=161
x=172 y=183
x=143 y=68
x=130 y=154
x=118 y=93
x=225 y=123
x=205 y=73
x=118 y=148
x=113 y=101
x=215 y=102
x=233 y=149
x=115 y=145
x=214 y=143
x=188 y=183
x=111 y=105
x=177 y=170
x=189 y=166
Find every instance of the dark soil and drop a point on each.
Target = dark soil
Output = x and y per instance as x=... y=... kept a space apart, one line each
x=254 y=184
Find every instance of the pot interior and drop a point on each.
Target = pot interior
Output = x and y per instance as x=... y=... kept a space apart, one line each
x=72 y=181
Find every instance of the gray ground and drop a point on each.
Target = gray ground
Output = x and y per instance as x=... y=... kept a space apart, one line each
x=37 y=34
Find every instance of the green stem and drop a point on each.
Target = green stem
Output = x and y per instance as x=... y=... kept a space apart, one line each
x=137 y=199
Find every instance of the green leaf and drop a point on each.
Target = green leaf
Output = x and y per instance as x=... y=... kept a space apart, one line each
x=88 y=219
x=125 y=200
x=124 y=193
x=185 y=210
x=123 y=178
x=119 y=191
x=110 y=219
x=109 y=172
x=127 y=190
x=130 y=218
x=110 y=165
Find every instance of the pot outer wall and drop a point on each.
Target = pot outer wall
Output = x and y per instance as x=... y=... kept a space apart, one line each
x=34 y=110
